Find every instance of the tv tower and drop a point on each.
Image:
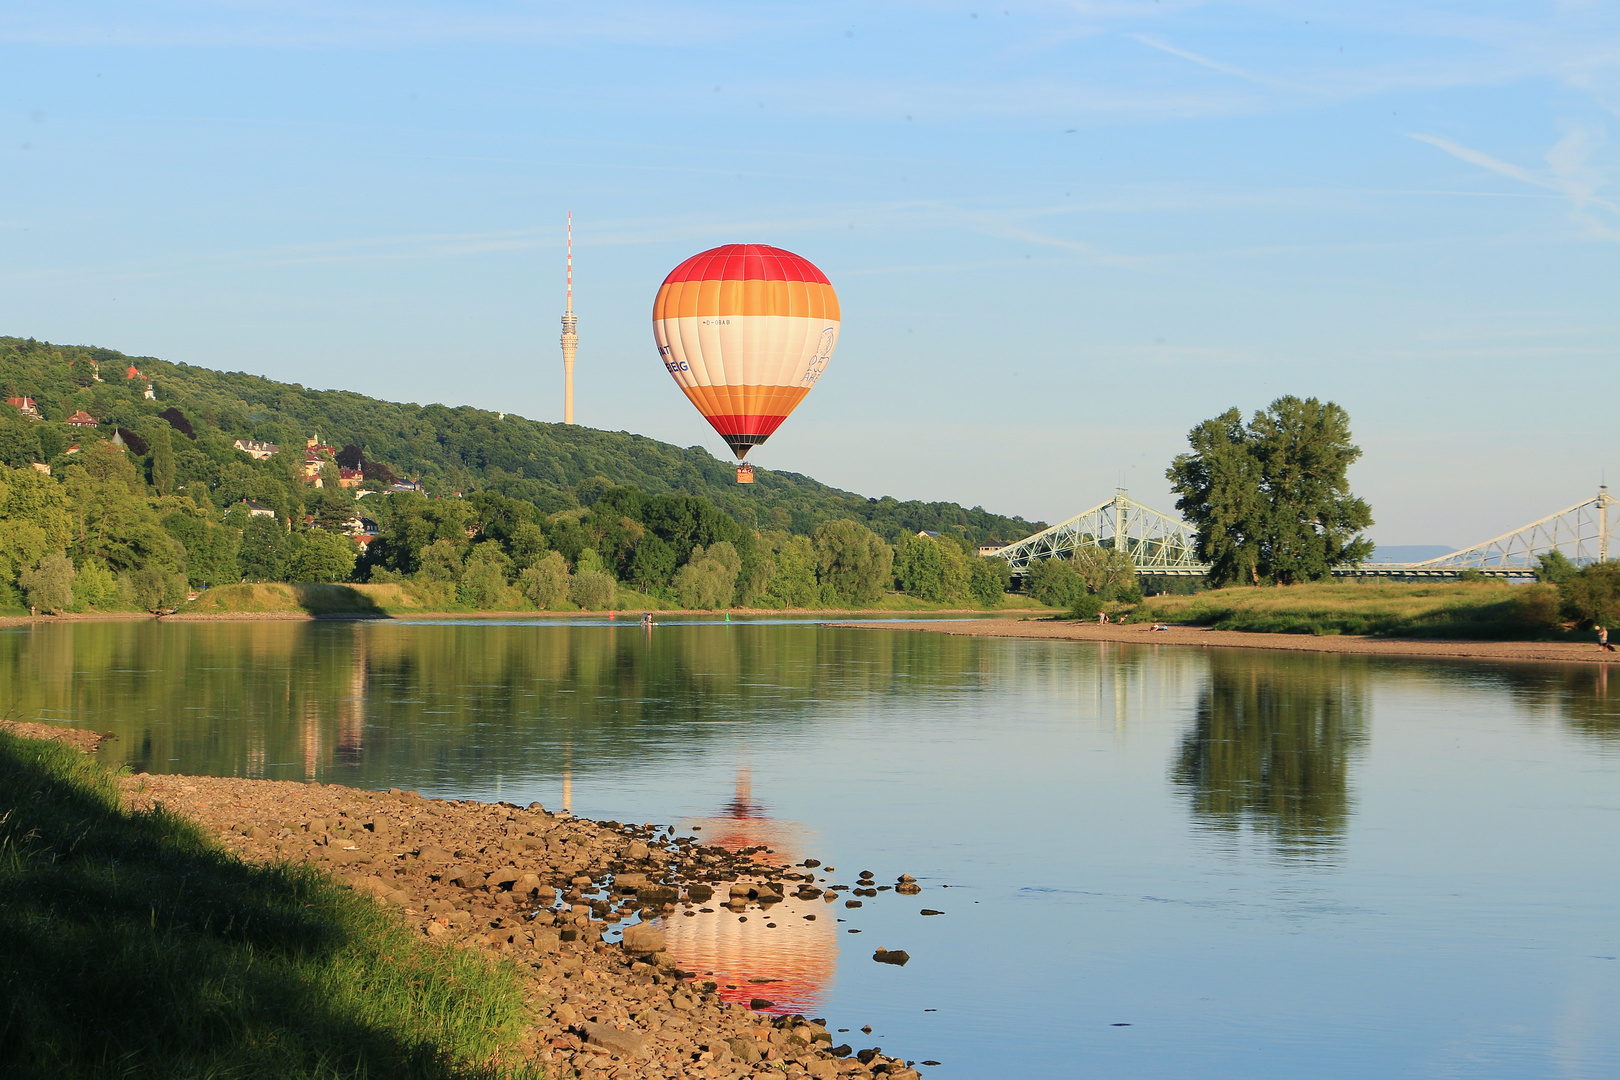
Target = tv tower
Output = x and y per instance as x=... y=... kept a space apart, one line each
x=570 y=335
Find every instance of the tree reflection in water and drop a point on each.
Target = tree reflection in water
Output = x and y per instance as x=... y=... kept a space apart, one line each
x=1271 y=746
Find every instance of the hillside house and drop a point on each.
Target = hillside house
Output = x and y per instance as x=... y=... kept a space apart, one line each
x=25 y=405
x=350 y=478
x=136 y=373
x=81 y=419
x=258 y=509
x=255 y=449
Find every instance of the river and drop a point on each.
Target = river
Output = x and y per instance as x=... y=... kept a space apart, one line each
x=1151 y=861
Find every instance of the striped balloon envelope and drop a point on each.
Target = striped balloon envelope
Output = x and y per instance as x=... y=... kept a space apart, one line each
x=745 y=330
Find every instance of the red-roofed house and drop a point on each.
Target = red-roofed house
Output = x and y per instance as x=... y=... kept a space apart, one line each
x=26 y=406
x=81 y=419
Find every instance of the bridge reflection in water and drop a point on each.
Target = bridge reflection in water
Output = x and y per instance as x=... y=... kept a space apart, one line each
x=780 y=953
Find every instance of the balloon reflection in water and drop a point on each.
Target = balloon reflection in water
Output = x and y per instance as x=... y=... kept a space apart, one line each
x=795 y=961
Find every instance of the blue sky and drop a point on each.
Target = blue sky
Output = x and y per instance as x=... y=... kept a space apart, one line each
x=1062 y=234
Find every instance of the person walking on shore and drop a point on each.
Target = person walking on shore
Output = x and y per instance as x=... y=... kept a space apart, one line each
x=1603 y=639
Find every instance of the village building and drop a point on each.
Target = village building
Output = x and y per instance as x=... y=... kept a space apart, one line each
x=40 y=466
x=136 y=373
x=255 y=449
x=258 y=509
x=81 y=419
x=350 y=478
x=25 y=405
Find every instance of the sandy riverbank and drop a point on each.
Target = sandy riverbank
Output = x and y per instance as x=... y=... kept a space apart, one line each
x=1135 y=634
x=549 y=893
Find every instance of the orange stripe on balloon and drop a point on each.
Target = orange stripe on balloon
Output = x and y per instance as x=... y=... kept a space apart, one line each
x=777 y=401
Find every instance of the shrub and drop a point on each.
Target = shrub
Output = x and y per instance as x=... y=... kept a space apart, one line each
x=94 y=586
x=323 y=557
x=853 y=560
x=989 y=580
x=1592 y=597
x=1086 y=605
x=592 y=590
x=546 y=582
x=1053 y=582
x=49 y=586
x=483 y=582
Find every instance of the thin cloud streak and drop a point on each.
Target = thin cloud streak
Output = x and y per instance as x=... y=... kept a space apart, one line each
x=1204 y=61
x=1569 y=175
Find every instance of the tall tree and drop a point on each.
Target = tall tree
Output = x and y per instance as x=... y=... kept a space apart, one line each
x=162 y=458
x=853 y=562
x=1270 y=500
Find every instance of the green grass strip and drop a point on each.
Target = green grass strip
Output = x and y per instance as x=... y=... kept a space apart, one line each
x=132 y=946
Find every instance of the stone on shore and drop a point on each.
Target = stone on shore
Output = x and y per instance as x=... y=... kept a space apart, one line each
x=642 y=939
x=624 y=1043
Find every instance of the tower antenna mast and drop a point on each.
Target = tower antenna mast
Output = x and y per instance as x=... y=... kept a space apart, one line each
x=570 y=335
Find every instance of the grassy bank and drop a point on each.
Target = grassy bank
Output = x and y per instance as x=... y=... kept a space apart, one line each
x=1476 y=610
x=410 y=598
x=131 y=946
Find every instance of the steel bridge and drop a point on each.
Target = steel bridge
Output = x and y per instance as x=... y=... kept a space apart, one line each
x=1162 y=545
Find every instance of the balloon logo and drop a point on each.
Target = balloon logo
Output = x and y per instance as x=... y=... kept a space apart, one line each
x=745 y=330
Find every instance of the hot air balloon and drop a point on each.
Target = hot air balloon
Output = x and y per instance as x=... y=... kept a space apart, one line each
x=745 y=330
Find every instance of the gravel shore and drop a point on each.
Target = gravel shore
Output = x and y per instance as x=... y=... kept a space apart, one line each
x=551 y=893
x=1138 y=634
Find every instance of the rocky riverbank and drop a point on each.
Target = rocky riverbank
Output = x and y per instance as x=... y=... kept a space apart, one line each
x=583 y=908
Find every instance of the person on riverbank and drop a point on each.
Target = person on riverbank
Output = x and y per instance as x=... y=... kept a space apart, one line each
x=646 y=619
x=1603 y=639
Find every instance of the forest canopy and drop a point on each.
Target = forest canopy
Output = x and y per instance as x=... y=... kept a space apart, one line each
x=128 y=482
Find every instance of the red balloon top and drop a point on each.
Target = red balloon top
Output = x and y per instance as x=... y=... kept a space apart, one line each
x=747 y=262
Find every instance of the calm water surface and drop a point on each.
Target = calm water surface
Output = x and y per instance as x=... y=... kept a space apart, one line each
x=1266 y=865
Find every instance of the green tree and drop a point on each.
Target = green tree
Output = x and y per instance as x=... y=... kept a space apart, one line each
x=546 y=582
x=592 y=590
x=322 y=557
x=440 y=561
x=19 y=440
x=785 y=575
x=157 y=439
x=708 y=580
x=332 y=504
x=1053 y=582
x=94 y=587
x=1271 y=501
x=49 y=586
x=526 y=544
x=483 y=580
x=1591 y=597
x=1107 y=571
x=144 y=587
x=34 y=520
x=989 y=580
x=265 y=550
x=651 y=564
x=112 y=519
x=919 y=568
x=853 y=561
x=1554 y=567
